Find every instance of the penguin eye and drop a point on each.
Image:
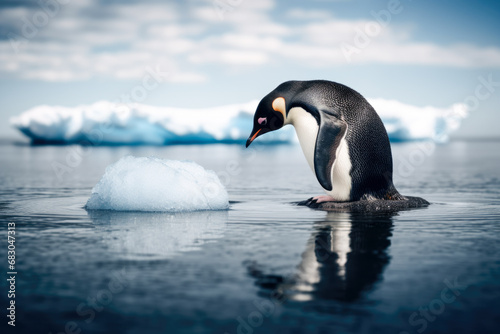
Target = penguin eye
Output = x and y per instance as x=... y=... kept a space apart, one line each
x=262 y=120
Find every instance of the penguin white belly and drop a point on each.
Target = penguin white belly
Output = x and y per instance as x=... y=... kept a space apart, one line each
x=341 y=177
x=307 y=129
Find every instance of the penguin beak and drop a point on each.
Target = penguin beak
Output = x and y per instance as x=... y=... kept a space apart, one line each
x=253 y=135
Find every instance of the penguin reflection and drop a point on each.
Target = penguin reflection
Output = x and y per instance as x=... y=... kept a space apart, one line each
x=345 y=256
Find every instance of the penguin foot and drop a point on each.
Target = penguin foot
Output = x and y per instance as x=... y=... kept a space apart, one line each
x=323 y=198
x=367 y=206
x=316 y=202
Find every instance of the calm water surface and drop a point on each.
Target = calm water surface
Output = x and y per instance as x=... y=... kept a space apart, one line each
x=265 y=265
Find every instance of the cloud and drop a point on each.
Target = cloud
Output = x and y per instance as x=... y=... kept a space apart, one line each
x=302 y=14
x=87 y=39
x=84 y=41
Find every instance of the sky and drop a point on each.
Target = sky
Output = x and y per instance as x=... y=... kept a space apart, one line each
x=206 y=53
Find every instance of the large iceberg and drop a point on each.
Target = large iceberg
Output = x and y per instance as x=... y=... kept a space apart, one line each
x=405 y=122
x=154 y=184
x=107 y=123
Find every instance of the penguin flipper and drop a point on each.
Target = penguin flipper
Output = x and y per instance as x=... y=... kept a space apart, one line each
x=331 y=131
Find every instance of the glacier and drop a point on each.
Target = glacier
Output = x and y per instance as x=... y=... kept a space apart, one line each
x=152 y=184
x=108 y=123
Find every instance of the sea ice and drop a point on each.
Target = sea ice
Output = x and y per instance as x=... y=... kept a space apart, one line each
x=154 y=184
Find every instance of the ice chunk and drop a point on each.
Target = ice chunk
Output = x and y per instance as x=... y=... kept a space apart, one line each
x=154 y=184
x=106 y=123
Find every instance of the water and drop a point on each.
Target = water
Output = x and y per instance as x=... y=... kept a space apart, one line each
x=264 y=266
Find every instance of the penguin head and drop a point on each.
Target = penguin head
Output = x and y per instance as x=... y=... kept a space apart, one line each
x=269 y=116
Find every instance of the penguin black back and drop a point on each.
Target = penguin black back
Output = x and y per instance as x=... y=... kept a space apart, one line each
x=368 y=143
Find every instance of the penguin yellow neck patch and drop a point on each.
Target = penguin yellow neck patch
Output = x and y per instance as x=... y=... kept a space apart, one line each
x=280 y=106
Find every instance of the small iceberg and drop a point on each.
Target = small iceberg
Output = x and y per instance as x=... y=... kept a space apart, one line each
x=154 y=184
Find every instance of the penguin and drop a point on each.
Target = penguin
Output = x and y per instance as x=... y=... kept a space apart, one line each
x=342 y=137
